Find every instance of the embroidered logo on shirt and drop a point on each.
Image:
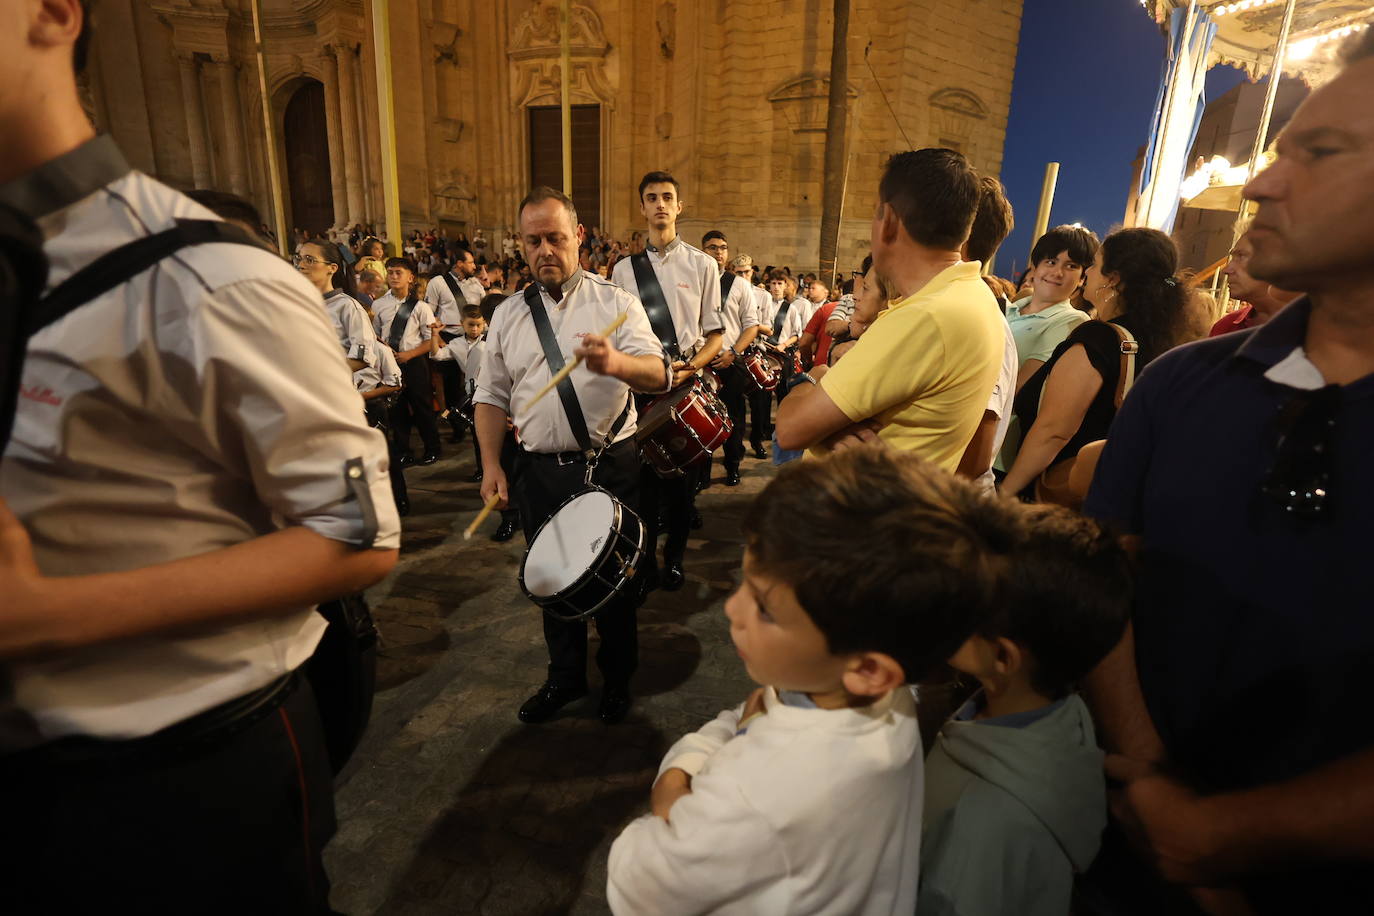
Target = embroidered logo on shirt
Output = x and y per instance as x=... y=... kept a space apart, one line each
x=686 y=286
x=41 y=395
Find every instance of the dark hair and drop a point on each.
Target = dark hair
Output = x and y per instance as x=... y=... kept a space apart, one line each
x=1155 y=301
x=543 y=192
x=81 y=50
x=1357 y=47
x=714 y=234
x=774 y=274
x=471 y=311
x=402 y=261
x=367 y=244
x=935 y=194
x=1080 y=243
x=343 y=277
x=489 y=303
x=992 y=223
x=658 y=178
x=934 y=552
x=867 y=265
x=1068 y=598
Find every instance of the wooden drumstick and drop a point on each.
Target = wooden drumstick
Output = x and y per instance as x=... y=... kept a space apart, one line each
x=577 y=361
x=482 y=516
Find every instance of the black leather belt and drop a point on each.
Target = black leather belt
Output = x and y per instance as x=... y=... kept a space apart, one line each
x=573 y=457
x=200 y=732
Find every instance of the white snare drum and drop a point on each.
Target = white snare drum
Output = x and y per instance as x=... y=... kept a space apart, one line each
x=583 y=555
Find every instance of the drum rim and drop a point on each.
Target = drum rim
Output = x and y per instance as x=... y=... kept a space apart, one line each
x=619 y=508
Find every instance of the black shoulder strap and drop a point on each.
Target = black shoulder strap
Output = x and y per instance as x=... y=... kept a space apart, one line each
x=126 y=262
x=453 y=288
x=727 y=280
x=554 y=357
x=651 y=296
x=397 y=329
x=778 y=318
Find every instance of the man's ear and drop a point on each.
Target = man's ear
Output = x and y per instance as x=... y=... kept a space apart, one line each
x=872 y=674
x=581 y=234
x=889 y=226
x=1009 y=658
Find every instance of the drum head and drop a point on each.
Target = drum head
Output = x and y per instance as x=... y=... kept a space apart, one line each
x=568 y=544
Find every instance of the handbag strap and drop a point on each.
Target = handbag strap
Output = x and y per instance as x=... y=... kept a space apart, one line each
x=1129 y=349
x=655 y=306
x=554 y=357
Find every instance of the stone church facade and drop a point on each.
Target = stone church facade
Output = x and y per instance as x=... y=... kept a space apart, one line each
x=729 y=95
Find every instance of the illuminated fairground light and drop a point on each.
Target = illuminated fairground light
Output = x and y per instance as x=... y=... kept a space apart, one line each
x=1301 y=50
x=1240 y=6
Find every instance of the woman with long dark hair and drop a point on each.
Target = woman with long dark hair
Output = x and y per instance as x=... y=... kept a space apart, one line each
x=1071 y=400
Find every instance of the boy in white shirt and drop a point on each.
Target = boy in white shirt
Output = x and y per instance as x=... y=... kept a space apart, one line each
x=806 y=799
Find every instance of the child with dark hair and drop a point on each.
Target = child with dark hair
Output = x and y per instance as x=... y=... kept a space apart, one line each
x=1015 y=800
x=806 y=798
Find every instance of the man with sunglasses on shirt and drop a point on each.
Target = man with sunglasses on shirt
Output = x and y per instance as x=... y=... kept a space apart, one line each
x=1236 y=706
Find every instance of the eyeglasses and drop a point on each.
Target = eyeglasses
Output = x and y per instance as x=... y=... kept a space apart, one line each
x=714 y=248
x=300 y=259
x=1300 y=478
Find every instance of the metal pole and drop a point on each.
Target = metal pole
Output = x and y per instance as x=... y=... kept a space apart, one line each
x=1042 y=216
x=1167 y=111
x=1266 y=114
x=386 y=112
x=269 y=136
x=836 y=148
x=564 y=66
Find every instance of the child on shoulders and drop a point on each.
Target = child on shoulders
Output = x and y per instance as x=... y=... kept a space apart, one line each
x=1015 y=799
x=806 y=798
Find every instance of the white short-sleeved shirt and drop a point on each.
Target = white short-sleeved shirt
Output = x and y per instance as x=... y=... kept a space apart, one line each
x=1003 y=393
x=388 y=368
x=768 y=308
x=690 y=279
x=514 y=368
x=447 y=310
x=356 y=337
x=738 y=311
x=201 y=404
x=466 y=353
x=417 y=329
x=799 y=312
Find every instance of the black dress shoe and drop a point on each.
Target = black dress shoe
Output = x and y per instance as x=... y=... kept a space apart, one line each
x=695 y=521
x=428 y=458
x=506 y=531
x=615 y=703
x=549 y=699
x=405 y=461
x=760 y=453
x=732 y=478
x=673 y=577
x=476 y=476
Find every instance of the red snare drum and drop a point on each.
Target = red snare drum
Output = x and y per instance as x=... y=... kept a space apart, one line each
x=763 y=372
x=682 y=428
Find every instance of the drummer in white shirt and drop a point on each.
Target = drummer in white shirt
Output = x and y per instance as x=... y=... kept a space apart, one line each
x=760 y=402
x=690 y=281
x=404 y=323
x=551 y=464
x=447 y=295
x=740 y=315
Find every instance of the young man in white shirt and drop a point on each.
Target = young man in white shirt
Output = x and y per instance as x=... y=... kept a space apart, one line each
x=405 y=323
x=760 y=402
x=688 y=279
x=739 y=313
x=447 y=295
x=807 y=797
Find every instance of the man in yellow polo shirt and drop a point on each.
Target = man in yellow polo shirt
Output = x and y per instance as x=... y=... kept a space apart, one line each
x=922 y=374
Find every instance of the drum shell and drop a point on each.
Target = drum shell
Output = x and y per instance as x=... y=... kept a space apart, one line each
x=761 y=372
x=697 y=424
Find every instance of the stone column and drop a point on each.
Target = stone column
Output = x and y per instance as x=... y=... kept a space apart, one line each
x=195 y=120
x=337 y=178
x=233 y=127
x=348 y=117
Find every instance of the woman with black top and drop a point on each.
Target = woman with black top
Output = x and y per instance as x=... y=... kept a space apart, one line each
x=1071 y=400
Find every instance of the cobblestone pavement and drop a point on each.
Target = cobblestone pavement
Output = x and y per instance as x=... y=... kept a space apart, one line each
x=450 y=804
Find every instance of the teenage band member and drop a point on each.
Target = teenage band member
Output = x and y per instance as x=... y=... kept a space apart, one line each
x=760 y=402
x=690 y=288
x=447 y=295
x=403 y=322
x=740 y=315
x=552 y=461
x=186 y=482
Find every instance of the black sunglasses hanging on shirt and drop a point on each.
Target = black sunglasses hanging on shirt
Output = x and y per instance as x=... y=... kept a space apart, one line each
x=1300 y=478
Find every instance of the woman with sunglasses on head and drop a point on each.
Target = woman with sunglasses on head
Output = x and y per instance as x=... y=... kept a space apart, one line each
x=1071 y=400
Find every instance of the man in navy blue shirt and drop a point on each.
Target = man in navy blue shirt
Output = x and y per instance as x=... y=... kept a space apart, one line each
x=1240 y=706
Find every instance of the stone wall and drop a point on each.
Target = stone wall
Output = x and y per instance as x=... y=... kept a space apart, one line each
x=729 y=95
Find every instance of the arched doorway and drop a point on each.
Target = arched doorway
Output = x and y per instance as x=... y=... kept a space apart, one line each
x=306 y=145
x=546 y=155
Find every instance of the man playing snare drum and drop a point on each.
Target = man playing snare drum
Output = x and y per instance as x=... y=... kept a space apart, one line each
x=560 y=432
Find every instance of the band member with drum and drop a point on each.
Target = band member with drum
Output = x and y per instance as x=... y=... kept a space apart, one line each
x=679 y=287
x=740 y=315
x=760 y=400
x=563 y=316
x=448 y=295
x=403 y=322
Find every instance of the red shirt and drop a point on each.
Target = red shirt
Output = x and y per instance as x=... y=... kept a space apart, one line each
x=1242 y=318
x=816 y=328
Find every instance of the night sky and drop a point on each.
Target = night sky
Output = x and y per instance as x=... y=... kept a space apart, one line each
x=1086 y=77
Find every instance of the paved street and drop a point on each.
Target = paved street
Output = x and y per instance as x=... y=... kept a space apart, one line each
x=451 y=805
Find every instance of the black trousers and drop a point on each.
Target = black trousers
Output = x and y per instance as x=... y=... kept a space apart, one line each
x=761 y=416
x=540 y=486
x=734 y=394
x=235 y=823
x=454 y=395
x=416 y=407
x=674 y=497
x=379 y=418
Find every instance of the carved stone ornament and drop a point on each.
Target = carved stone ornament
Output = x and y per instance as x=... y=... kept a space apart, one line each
x=535 y=51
